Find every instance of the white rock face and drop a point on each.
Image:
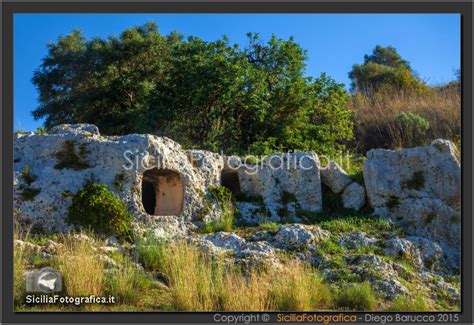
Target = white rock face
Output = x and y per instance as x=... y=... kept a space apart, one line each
x=419 y=189
x=285 y=182
x=252 y=213
x=353 y=196
x=44 y=195
x=335 y=177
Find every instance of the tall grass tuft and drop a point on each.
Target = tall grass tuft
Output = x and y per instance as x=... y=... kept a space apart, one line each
x=357 y=297
x=83 y=271
x=127 y=285
x=20 y=262
x=299 y=288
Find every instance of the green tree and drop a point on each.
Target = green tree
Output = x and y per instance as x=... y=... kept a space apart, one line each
x=384 y=68
x=206 y=94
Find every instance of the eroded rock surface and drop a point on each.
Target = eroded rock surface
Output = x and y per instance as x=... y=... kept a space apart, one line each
x=419 y=189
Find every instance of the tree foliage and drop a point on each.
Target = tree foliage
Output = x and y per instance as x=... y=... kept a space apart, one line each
x=384 y=68
x=207 y=94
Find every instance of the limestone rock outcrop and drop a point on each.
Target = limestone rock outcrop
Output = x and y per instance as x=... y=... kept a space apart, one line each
x=152 y=175
x=420 y=190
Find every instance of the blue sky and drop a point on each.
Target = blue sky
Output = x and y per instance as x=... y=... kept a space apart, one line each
x=430 y=42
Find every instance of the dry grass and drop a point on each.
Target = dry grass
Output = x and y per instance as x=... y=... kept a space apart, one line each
x=20 y=262
x=375 y=117
x=201 y=283
x=82 y=270
x=299 y=288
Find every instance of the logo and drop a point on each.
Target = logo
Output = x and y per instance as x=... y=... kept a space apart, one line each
x=45 y=280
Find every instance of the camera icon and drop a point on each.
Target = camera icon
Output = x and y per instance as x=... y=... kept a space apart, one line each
x=45 y=280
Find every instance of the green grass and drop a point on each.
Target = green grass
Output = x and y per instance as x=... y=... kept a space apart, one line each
x=269 y=226
x=330 y=246
x=409 y=304
x=127 y=284
x=151 y=254
x=349 y=221
x=223 y=197
x=357 y=297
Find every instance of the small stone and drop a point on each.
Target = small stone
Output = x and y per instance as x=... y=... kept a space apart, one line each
x=353 y=196
x=335 y=177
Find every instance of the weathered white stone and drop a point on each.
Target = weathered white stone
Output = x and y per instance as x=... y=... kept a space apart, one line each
x=298 y=236
x=355 y=240
x=286 y=182
x=353 y=196
x=335 y=177
x=420 y=190
x=392 y=287
x=210 y=165
x=252 y=214
x=118 y=162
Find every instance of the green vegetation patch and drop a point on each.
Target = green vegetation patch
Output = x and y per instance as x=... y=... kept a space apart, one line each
x=349 y=221
x=95 y=207
x=416 y=182
x=356 y=297
x=28 y=192
x=68 y=158
x=409 y=304
x=223 y=196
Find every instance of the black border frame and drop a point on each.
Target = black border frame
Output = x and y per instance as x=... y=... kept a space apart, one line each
x=9 y=8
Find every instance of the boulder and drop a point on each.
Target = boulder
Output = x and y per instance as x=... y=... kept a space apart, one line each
x=392 y=288
x=353 y=196
x=420 y=190
x=285 y=183
x=335 y=177
x=152 y=175
x=298 y=236
x=355 y=240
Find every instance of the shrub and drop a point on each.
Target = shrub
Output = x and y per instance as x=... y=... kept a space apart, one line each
x=95 y=207
x=357 y=297
x=29 y=193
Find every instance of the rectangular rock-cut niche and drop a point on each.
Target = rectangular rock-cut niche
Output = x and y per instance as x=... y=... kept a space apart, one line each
x=162 y=192
x=230 y=179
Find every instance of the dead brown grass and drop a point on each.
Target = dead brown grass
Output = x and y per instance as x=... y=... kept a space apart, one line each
x=375 y=117
x=81 y=268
